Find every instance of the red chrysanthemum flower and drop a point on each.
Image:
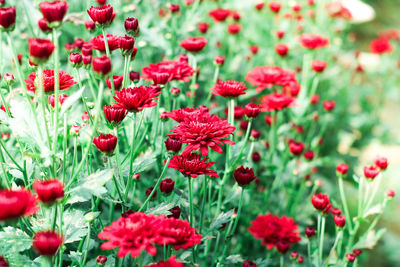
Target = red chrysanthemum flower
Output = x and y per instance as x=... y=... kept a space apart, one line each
x=380 y=46
x=203 y=132
x=98 y=42
x=219 y=14
x=53 y=11
x=277 y=102
x=179 y=115
x=229 y=89
x=46 y=243
x=137 y=98
x=278 y=232
x=194 y=44
x=178 y=70
x=49 y=191
x=66 y=81
x=117 y=79
x=313 y=41
x=103 y=15
x=182 y=235
x=132 y=234
x=191 y=165
x=114 y=113
x=7 y=18
x=267 y=76
x=17 y=203
x=171 y=262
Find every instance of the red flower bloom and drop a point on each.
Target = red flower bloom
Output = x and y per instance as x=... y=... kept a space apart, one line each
x=105 y=143
x=75 y=59
x=49 y=191
x=179 y=115
x=244 y=176
x=381 y=163
x=103 y=16
x=53 y=11
x=266 y=77
x=117 y=82
x=191 y=165
x=342 y=168
x=17 y=203
x=370 y=172
x=115 y=114
x=318 y=65
x=177 y=70
x=276 y=102
x=296 y=148
x=248 y=263
x=132 y=234
x=173 y=144
x=252 y=110
x=329 y=105
x=194 y=44
x=167 y=186
x=219 y=14
x=40 y=50
x=132 y=26
x=203 y=132
x=380 y=46
x=126 y=44
x=229 y=89
x=203 y=27
x=275 y=6
x=313 y=41
x=178 y=233
x=135 y=99
x=43 y=25
x=112 y=40
x=234 y=28
x=7 y=18
x=340 y=221
x=46 y=243
x=171 y=262
x=275 y=231
x=282 y=49
x=321 y=202
x=101 y=65
x=66 y=81
x=61 y=99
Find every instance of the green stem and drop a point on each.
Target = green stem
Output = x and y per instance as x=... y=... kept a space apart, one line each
x=345 y=207
x=203 y=203
x=239 y=210
x=190 y=185
x=65 y=147
x=108 y=55
x=87 y=246
x=56 y=96
x=54 y=220
x=43 y=104
x=245 y=140
x=321 y=241
x=194 y=80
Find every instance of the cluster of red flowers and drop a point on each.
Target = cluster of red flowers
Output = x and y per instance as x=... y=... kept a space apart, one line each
x=138 y=231
x=175 y=69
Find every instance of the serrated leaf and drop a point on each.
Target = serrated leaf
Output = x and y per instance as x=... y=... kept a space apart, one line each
x=221 y=219
x=71 y=100
x=75 y=226
x=233 y=259
x=370 y=239
x=14 y=240
x=93 y=185
x=377 y=209
x=161 y=209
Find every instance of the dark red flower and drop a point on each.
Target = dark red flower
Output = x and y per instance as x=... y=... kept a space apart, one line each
x=175 y=212
x=340 y=221
x=296 y=148
x=313 y=41
x=171 y=262
x=105 y=143
x=134 y=76
x=192 y=165
x=320 y=202
x=244 y=176
x=132 y=26
x=276 y=102
x=87 y=49
x=203 y=27
x=309 y=155
x=282 y=49
x=370 y=172
x=149 y=191
x=114 y=113
x=167 y=186
x=219 y=14
x=278 y=232
x=66 y=81
x=336 y=211
x=194 y=44
x=3 y=262
x=117 y=82
x=126 y=44
x=381 y=45
x=173 y=144
x=176 y=70
x=350 y=257
x=252 y=110
x=203 y=131
x=44 y=26
x=266 y=77
x=7 y=18
x=113 y=41
x=101 y=260
x=102 y=65
x=178 y=233
x=53 y=12
x=40 y=50
x=90 y=25
x=132 y=234
x=49 y=191
x=381 y=163
x=46 y=243
x=318 y=65
x=103 y=16
x=310 y=232
x=76 y=60
x=248 y=263
x=17 y=203
x=135 y=99
x=229 y=89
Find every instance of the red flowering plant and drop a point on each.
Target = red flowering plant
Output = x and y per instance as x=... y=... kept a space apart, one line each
x=180 y=135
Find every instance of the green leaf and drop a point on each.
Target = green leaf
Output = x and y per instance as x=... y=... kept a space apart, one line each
x=14 y=240
x=369 y=240
x=71 y=100
x=93 y=185
x=75 y=226
x=377 y=209
x=221 y=219
x=161 y=209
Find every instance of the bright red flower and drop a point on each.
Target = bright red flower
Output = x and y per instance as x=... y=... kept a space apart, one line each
x=61 y=99
x=7 y=18
x=171 y=262
x=275 y=6
x=342 y=168
x=277 y=102
x=266 y=77
x=66 y=81
x=132 y=234
x=117 y=79
x=98 y=42
x=46 y=243
x=179 y=115
x=203 y=132
x=370 y=172
x=318 y=65
x=275 y=231
x=381 y=163
x=53 y=11
x=191 y=165
x=43 y=25
x=103 y=15
x=101 y=65
x=105 y=143
x=194 y=44
x=380 y=46
x=229 y=89
x=313 y=41
x=178 y=70
x=329 y=105
x=296 y=148
x=203 y=27
x=115 y=113
x=40 y=50
x=219 y=14
x=340 y=220
x=321 y=202
x=17 y=203
x=135 y=99
x=49 y=191
x=178 y=233
x=282 y=49
x=234 y=28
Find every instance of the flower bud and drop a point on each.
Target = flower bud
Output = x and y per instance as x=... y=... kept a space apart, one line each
x=282 y=49
x=134 y=76
x=336 y=211
x=341 y=169
x=340 y=221
x=43 y=26
x=254 y=135
x=90 y=26
x=318 y=65
x=256 y=157
x=173 y=144
x=101 y=260
x=7 y=18
x=296 y=148
x=310 y=232
x=115 y=114
x=294 y=255
x=105 y=143
x=219 y=60
x=149 y=190
x=9 y=79
x=40 y=50
x=126 y=44
x=329 y=105
x=390 y=193
x=48 y=191
x=47 y=243
x=132 y=26
x=102 y=65
x=76 y=60
x=244 y=176
x=203 y=27
x=136 y=176
x=175 y=212
x=370 y=172
x=252 y=110
x=102 y=16
x=350 y=257
x=309 y=155
x=320 y=202
x=54 y=12
x=167 y=186
x=175 y=91
x=381 y=163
